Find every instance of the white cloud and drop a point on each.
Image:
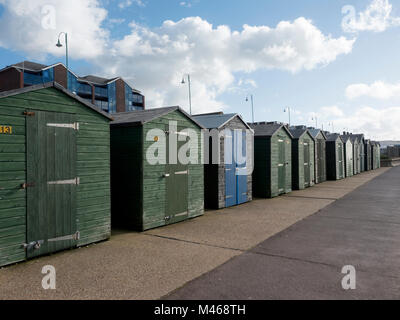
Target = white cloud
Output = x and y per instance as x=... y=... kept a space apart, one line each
x=378 y=90
x=376 y=18
x=185 y=4
x=157 y=58
x=331 y=111
x=375 y=123
x=33 y=27
x=127 y=3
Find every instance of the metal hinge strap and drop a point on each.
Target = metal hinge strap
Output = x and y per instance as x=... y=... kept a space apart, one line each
x=75 y=236
x=74 y=125
x=75 y=181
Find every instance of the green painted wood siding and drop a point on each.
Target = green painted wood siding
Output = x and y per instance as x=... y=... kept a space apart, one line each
x=138 y=187
x=266 y=160
x=298 y=174
x=348 y=154
x=93 y=165
x=154 y=187
x=320 y=158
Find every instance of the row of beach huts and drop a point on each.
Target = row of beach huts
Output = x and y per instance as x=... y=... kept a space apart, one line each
x=69 y=171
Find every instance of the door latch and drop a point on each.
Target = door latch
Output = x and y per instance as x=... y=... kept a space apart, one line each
x=33 y=245
x=27 y=185
x=167 y=218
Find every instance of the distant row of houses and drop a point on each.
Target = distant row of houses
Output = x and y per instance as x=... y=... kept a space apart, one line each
x=110 y=95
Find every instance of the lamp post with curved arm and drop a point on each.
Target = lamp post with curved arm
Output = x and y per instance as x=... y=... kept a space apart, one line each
x=252 y=106
x=190 y=90
x=287 y=109
x=59 y=45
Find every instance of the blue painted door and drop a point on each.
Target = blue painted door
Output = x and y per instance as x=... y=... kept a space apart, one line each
x=230 y=169
x=235 y=167
x=241 y=167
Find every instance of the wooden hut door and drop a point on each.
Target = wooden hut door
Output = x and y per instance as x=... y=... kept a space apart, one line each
x=51 y=182
x=230 y=168
x=177 y=183
x=241 y=166
x=306 y=148
x=281 y=166
x=340 y=160
x=320 y=159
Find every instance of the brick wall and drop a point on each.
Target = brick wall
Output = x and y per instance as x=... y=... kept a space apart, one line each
x=11 y=79
x=120 y=92
x=60 y=75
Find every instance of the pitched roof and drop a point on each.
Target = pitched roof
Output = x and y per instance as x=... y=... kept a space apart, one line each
x=298 y=131
x=28 y=65
x=143 y=116
x=57 y=86
x=315 y=132
x=97 y=80
x=268 y=129
x=217 y=120
x=346 y=137
x=359 y=137
x=333 y=137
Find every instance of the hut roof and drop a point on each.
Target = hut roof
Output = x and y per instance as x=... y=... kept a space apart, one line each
x=143 y=116
x=268 y=129
x=217 y=120
x=59 y=87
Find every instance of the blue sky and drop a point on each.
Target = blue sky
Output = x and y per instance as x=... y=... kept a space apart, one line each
x=356 y=86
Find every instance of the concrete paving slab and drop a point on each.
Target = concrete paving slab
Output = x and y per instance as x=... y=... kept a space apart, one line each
x=244 y=226
x=131 y=266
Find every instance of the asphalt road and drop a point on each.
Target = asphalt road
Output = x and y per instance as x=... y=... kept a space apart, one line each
x=305 y=261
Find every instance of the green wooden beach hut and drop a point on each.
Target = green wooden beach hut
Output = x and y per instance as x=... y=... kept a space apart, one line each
x=54 y=172
x=368 y=157
x=303 y=158
x=375 y=155
x=335 y=169
x=272 y=175
x=156 y=168
x=320 y=154
x=348 y=155
x=361 y=152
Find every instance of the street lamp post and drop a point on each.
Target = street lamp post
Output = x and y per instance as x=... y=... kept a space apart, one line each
x=316 y=121
x=252 y=106
x=59 y=45
x=287 y=109
x=190 y=90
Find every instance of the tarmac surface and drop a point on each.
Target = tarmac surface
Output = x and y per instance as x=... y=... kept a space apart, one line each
x=305 y=261
x=230 y=244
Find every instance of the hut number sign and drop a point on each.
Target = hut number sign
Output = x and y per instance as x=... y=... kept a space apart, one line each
x=6 y=129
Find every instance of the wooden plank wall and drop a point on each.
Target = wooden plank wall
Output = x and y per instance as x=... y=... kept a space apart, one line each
x=93 y=168
x=274 y=155
x=154 y=186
